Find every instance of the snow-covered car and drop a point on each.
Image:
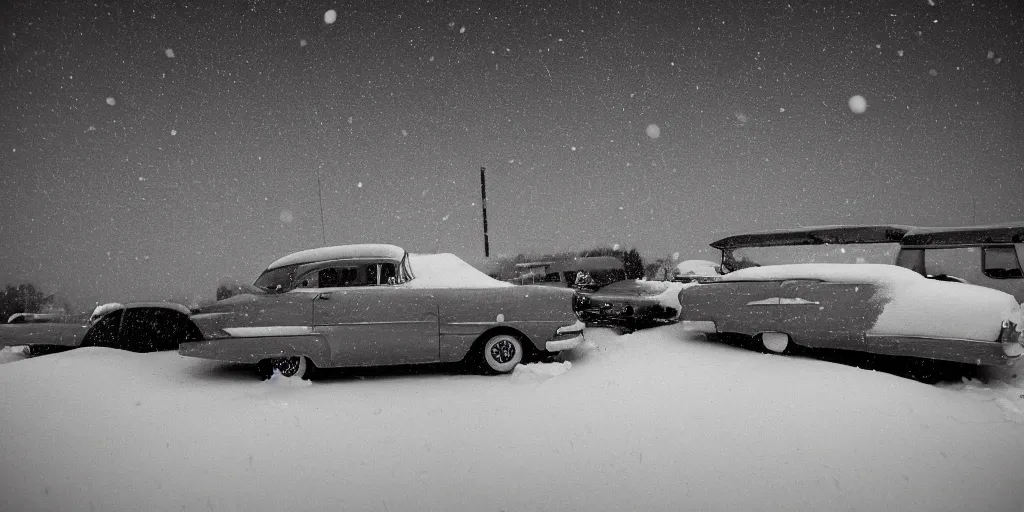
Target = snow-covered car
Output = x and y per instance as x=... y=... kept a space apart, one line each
x=988 y=255
x=137 y=327
x=376 y=305
x=875 y=308
x=629 y=304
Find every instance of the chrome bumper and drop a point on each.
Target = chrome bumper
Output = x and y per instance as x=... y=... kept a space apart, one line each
x=567 y=343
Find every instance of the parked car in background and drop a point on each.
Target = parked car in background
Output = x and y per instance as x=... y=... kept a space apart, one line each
x=33 y=318
x=696 y=271
x=375 y=305
x=629 y=305
x=602 y=270
x=137 y=327
x=987 y=255
x=874 y=308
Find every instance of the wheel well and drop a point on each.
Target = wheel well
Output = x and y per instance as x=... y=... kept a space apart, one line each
x=528 y=349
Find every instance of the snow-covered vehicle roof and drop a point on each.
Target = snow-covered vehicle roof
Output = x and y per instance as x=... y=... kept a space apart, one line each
x=339 y=252
x=1006 y=233
x=814 y=235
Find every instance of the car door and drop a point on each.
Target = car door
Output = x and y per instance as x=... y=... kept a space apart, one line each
x=746 y=307
x=376 y=324
x=827 y=314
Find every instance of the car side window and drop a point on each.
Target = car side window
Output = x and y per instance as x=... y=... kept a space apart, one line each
x=328 y=278
x=388 y=274
x=1000 y=263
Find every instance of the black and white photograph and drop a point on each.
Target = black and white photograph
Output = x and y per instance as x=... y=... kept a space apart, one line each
x=512 y=255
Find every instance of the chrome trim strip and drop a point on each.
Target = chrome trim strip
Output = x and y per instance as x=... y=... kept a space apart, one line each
x=392 y=322
x=781 y=301
x=270 y=330
x=507 y=322
x=920 y=337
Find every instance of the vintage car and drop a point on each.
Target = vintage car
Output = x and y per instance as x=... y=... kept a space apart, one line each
x=137 y=327
x=987 y=255
x=874 y=308
x=628 y=305
x=376 y=305
x=599 y=270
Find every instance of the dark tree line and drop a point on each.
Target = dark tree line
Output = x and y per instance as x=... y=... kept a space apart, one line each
x=23 y=298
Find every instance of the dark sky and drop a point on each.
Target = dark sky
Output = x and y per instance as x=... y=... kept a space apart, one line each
x=153 y=148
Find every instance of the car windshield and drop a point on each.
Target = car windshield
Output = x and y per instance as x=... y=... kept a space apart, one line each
x=277 y=279
x=744 y=257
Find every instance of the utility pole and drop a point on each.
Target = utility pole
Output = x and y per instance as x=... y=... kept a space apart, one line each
x=320 y=194
x=483 y=197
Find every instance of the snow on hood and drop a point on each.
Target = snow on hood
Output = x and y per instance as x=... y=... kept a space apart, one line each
x=917 y=305
x=447 y=270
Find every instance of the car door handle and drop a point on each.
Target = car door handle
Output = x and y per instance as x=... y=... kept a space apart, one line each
x=324 y=296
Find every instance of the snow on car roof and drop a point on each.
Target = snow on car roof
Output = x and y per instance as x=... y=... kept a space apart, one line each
x=866 y=273
x=1010 y=232
x=447 y=270
x=813 y=235
x=339 y=252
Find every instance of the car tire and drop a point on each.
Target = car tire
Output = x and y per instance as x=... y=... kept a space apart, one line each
x=294 y=366
x=776 y=342
x=501 y=353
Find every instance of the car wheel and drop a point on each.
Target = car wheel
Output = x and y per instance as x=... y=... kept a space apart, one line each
x=777 y=342
x=501 y=353
x=294 y=366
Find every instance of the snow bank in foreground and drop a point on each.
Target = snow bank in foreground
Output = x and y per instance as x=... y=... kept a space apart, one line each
x=654 y=420
x=917 y=305
x=447 y=270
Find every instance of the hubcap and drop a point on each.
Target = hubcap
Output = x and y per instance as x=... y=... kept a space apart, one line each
x=503 y=351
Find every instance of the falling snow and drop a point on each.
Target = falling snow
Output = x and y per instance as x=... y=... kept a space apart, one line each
x=287 y=216
x=330 y=16
x=858 y=105
x=170 y=53
x=111 y=101
x=653 y=131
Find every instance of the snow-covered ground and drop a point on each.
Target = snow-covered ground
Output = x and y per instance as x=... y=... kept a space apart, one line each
x=654 y=420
